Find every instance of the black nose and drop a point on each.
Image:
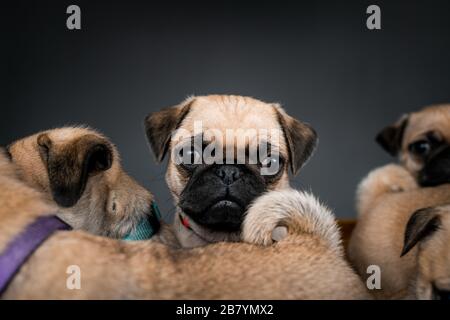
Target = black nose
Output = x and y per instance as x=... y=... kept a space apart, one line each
x=228 y=173
x=436 y=170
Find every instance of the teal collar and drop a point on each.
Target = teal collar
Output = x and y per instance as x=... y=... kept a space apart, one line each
x=147 y=227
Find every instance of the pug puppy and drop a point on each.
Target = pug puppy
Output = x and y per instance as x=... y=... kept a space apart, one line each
x=428 y=229
x=388 y=196
x=421 y=140
x=79 y=170
x=224 y=152
x=307 y=263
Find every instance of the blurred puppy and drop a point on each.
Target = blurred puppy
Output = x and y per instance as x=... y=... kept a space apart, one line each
x=307 y=263
x=225 y=152
x=388 y=196
x=79 y=169
x=421 y=140
x=429 y=230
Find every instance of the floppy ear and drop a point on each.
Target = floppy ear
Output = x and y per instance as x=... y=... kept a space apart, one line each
x=70 y=166
x=160 y=125
x=301 y=139
x=422 y=224
x=390 y=138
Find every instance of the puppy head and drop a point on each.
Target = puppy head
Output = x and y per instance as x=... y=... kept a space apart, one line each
x=421 y=140
x=224 y=151
x=429 y=229
x=80 y=170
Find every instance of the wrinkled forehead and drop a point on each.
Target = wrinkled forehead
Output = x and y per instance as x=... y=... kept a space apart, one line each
x=232 y=122
x=64 y=136
x=420 y=123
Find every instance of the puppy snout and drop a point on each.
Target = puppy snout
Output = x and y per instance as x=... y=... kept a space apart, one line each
x=228 y=174
x=436 y=170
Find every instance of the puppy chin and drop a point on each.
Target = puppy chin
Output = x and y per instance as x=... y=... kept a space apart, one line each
x=224 y=215
x=195 y=235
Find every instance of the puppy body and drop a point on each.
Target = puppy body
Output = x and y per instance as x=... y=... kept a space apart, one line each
x=388 y=197
x=307 y=264
x=14 y=196
x=378 y=237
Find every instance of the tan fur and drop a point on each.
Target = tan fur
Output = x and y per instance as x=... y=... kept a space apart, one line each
x=391 y=178
x=386 y=199
x=301 y=266
x=293 y=139
x=433 y=118
x=301 y=211
x=14 y=196
x=226 y=112
x=433 y=261
x=112 y=203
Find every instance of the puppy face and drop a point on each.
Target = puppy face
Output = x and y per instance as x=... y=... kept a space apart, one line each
x=422 y=142
x=224 y=152
x=430 y=230
x=80 y=170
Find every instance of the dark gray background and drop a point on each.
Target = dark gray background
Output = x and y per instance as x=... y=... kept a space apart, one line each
x=317 y=59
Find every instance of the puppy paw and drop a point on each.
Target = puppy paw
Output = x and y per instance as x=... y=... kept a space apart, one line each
x=278 y=214
x=390 y=178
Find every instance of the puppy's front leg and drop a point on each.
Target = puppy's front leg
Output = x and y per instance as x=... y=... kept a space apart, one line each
x=390 y=178
x=278 y=214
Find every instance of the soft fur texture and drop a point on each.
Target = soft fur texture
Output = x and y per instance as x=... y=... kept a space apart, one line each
x=196 y=193
x=301 y=211
x=430 y=126
x=303 y=265
x=389 y=196
x=79 y=170
x=391 y=178
x=386 y=199
x=432 y=279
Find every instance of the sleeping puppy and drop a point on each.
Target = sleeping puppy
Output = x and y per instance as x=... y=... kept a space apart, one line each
x=429 y=230
x=79 y=169
x=389 y=195
x=224 y=152
x=307 y=263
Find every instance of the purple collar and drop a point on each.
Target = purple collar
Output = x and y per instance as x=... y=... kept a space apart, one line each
x=22 y=247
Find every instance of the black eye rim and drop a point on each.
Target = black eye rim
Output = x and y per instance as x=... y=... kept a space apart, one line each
x=414 y=147
x=281 y=162
x=179 y=156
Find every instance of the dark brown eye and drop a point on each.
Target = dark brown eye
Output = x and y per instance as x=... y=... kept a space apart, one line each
x=188 y=157
x=420 y=148
x=271 y=165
